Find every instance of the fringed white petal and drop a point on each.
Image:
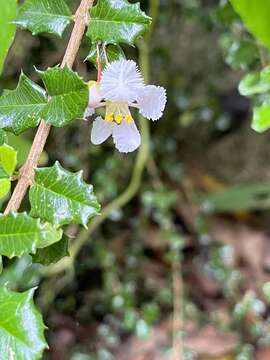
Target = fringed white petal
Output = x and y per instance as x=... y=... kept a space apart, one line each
x=121 y=81
x=126 y=137
x=152 y=101
x=101 y=131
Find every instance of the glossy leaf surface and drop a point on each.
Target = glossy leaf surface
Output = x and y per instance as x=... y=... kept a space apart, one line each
x=21 y=234
x=117 y=21
x=64 y=196
x=21 y=326
x=7 y=33
x=53 y=253
x=68 y=96
x=20 y=108
x=51 y=16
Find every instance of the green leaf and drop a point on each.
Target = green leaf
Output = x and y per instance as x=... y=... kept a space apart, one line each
x=67 y=197
x=51 y=16
x=68 y=96
x=3 y=137
x=255 y=83
x=237 y=198
x=8 y=158
x=255 y=17
x=21 y=274
x=238 y=53
x=7 y=33
x=21 y=326
x=261 y=118
x=4 y=187
x=20 y=108
x=3 y=174
x=117 y=21
x=52 y=254
x=8 y=162
x=21 y=234
x=114 y=52
x=23 y=146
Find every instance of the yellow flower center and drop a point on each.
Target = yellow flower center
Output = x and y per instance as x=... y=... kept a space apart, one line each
x=118 y=112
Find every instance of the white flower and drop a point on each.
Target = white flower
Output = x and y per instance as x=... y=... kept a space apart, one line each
x=122 y=87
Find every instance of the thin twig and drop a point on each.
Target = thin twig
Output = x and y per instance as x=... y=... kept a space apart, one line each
x=105 y=54
x=27 y=171
x=177 y=343
x=99 y=63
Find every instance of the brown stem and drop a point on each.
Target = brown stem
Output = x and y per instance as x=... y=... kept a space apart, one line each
x=27 y=171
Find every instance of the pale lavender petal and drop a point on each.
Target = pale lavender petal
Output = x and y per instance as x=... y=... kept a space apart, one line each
x=126 y=137
x=101 y=130
x=121 y=81
x=152 y=101
x=95 y=96
x=94 y=99
x=88 y=112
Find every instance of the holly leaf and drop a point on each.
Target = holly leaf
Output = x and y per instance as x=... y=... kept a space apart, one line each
x=68 y=199
x=4 y=187
x=68 y=96
x=20 y=108
x=53 y=253
x=8 y=158
x=21 y=234
x=3 y=174
x=261 y=118
x=8 y=162
x=117 y=21
x=51 y=16
x=255 y=83
x=21 y=326
x=255 y=17
x=114 y=52
x=7 y=33
x=3 y=137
